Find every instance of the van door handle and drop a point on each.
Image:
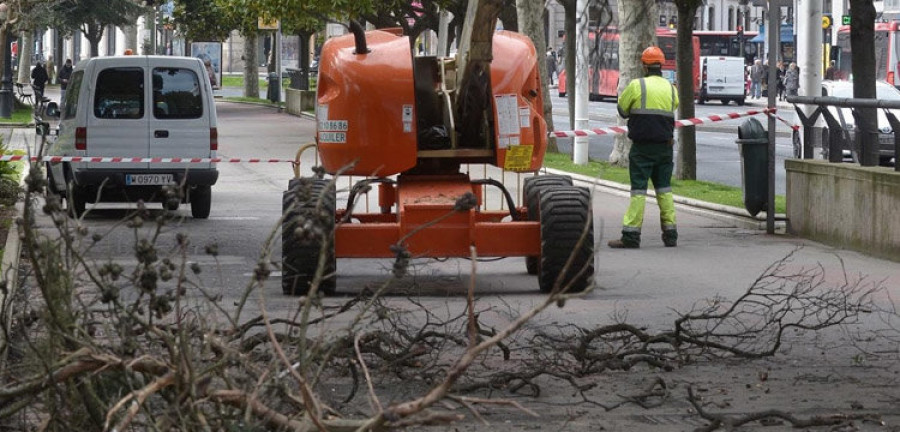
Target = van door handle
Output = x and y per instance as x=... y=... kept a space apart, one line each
x=160 y=134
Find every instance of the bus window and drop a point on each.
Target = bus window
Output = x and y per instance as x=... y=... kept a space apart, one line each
x=881 y=54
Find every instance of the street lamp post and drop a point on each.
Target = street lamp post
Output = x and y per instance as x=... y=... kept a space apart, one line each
x=6 y=91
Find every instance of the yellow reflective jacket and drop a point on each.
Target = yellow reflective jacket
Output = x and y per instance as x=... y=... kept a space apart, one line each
x=649 y=104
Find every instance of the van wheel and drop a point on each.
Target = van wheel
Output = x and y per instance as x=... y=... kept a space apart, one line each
x=76 y=201
x=725 y=101
x=201 y=201
x=740 y=102
x=51 y=182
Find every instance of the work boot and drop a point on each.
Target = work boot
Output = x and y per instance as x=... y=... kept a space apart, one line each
x=622 y=244
x=629 y=240
x=670 y=238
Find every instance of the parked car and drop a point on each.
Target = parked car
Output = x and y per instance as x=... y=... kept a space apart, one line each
x=883 y=91
x=136 y=106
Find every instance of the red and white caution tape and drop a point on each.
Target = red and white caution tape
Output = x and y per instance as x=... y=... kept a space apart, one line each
x=614 y=130
x=789 y=124
x=56 y=159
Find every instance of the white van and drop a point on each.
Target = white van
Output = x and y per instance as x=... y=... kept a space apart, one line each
x=136 y=106
x=722 y=78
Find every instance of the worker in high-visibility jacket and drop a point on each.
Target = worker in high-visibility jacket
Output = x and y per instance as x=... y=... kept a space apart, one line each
x=649 y=104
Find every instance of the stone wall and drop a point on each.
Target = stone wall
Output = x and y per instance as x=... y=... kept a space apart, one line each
x=845 y=205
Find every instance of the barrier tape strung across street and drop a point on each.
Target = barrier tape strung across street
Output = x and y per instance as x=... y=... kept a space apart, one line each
x=789 y=124
x=95 y=159
x=614 y=130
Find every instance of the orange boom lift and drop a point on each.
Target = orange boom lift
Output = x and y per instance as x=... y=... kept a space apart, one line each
x=406 y=124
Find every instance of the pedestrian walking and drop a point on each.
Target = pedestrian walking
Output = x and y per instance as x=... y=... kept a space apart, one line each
x=765 y=80
x=780 y=81
x=792 y=80
x=39 y=79
x=649 y=104
x=756 y=77
x=65 y=73
x=551 y=64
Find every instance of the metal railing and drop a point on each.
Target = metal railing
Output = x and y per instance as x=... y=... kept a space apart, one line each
x=866 y=140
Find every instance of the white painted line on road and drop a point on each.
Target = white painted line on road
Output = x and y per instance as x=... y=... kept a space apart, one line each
x=234 y=218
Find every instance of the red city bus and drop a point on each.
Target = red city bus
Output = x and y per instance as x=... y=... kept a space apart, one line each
x=727 y=43
x=887 y=53
x=603 y=72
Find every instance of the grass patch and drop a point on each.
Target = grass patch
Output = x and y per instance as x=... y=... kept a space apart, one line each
x=20 y=115
x=238 y=81
x=694 y=189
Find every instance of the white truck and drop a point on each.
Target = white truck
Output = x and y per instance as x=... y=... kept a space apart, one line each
x=722 y=78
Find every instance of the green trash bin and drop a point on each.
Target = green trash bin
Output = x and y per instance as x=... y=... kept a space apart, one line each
x=753 y=142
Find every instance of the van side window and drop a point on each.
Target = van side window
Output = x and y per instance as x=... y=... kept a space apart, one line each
x=70 y=105
x=119 y=94
x=176 y=94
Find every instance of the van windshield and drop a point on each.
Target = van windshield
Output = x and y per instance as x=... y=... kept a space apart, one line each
x=119 y=94
x=176 y=94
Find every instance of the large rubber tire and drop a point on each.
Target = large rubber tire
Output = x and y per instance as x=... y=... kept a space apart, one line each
x=201 y=202
x=308 y=204
x=531 y=196
x=564 y=213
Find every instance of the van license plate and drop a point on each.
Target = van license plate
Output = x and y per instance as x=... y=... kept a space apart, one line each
x=148 y=179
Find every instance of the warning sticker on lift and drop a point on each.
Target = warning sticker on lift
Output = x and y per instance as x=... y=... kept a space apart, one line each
x=507 y=119
x=518 y=158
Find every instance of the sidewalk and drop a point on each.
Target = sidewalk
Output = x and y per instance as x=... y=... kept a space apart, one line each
x=716 y=244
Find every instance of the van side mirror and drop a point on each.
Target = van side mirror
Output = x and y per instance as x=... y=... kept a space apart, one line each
x=52 y=110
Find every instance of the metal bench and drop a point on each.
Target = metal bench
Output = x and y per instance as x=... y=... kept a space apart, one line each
x=25 y=98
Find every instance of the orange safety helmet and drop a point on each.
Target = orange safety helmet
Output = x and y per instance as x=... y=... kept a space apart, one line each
x=129 y=51
x=653 y=55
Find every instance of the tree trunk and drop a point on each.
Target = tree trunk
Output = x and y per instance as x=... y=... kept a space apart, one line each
x=686 y=165
x=569 y=25
x=26 y=43
x=251 y=66
x=637 y=31
x=862 y=45
x=94 y=33
x=303 y=61
x=530 y=14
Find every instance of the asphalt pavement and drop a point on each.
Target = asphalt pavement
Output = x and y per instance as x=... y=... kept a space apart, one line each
x=719 y=256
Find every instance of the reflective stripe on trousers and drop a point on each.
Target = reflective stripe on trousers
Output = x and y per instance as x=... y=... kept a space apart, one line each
x=634 y=216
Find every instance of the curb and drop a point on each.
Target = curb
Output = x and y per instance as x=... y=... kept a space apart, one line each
x=10 y=269
x=733 y=215
x=279 y=108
